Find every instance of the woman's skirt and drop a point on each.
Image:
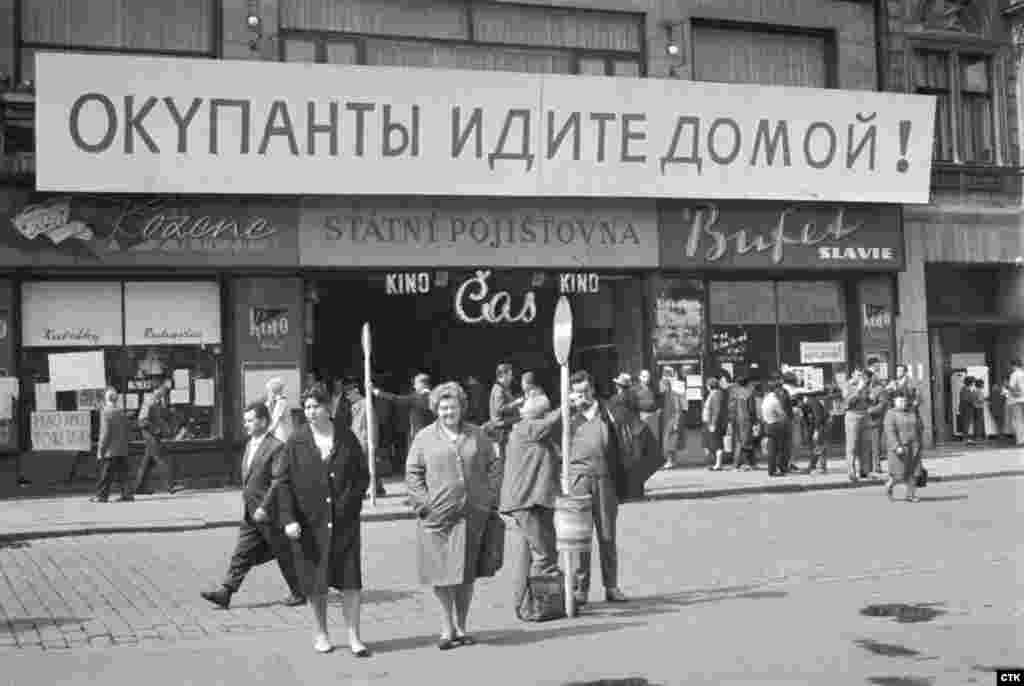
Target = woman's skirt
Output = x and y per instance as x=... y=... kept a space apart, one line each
x=447 y=556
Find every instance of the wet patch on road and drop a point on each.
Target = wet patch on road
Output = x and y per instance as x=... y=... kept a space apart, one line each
x=904 y=613
x=900 y=680
x=631 y=681
x=886 y=649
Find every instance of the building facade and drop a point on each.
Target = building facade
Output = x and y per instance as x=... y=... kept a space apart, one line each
x=220 y=291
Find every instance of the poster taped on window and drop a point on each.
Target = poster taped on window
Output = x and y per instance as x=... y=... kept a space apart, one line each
x=77 y=371
x=68 y=431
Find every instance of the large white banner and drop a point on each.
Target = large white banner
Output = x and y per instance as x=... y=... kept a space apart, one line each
x=148 y=124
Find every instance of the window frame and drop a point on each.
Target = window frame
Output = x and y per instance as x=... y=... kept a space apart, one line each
x=214 y=50
x=828 y=34
x=321 y=38
x=995 y=54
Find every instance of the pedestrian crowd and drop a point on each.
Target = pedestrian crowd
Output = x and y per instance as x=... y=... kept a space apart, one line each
x=479 y=465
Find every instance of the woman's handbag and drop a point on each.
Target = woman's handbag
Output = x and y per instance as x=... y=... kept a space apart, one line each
x=492 y=546
x=544 y=599
x=922 y=478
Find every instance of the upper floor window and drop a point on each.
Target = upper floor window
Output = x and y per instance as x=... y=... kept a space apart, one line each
x=966 y=116
x=731 y=52
x=183 y=27
x=459 y=35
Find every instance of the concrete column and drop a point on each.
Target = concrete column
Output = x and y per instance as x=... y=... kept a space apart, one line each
x=912 y=323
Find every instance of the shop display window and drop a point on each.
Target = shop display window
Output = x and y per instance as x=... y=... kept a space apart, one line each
x=195 y=401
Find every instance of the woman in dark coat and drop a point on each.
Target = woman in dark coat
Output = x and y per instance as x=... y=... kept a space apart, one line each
x=904 y=445
x=453 y=475
x=323 y=478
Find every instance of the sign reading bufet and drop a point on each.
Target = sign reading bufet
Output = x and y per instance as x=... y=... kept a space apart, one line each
x=115 y=123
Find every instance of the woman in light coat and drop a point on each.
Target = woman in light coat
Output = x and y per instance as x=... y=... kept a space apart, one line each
x=453 y=475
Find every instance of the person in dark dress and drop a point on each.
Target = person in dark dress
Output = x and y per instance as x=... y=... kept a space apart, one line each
x=320 y=500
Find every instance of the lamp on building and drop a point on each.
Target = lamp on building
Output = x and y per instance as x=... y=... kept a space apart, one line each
x=673 y=46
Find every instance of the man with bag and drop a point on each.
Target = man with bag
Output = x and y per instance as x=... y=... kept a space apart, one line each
x=528 y=492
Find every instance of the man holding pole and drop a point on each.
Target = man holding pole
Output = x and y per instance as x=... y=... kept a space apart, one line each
x=596 y=469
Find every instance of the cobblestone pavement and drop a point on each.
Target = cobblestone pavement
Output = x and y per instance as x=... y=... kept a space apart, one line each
x=680 y=561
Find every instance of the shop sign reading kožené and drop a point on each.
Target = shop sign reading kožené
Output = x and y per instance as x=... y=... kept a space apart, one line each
x=771 y=235
x=238 y=127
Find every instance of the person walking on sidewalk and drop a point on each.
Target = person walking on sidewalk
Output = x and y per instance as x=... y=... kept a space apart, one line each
x=528 y=491
x=878 y=395
x=856 y=401
x=742 y=418
x=154 y=425
x=453 y=475
x=322 y=481
x=816 y=422
x=259 y=539
x=713 y=417
x=280 y=414
x=112 y=450
x=596 y=469
x=1015 y=401
x=775 y=427
x=904 y=445
x=673 y=418
x=504 y=407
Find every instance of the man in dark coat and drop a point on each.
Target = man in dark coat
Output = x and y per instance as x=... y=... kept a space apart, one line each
x=258 y=541
x=415 y=404
x=596 y=469
x=112 y=450
x=528 y=492
x=154 y=423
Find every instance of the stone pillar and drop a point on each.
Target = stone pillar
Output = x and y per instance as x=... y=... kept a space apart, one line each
x=912 y=323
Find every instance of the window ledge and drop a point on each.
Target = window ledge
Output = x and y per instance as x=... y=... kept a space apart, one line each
x=977 y=168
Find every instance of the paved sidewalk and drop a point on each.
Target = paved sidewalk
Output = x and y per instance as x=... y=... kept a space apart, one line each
x=189 y=510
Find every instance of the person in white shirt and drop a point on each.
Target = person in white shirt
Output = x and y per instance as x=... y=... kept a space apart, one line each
x=280 y=414
x=258 y=541
x=1015 y=401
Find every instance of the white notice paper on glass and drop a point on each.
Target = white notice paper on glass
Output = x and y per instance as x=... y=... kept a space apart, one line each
x=694 y=381
x=181 y=378
x=204 y=392
x=694 y=393
x=179 y=396
x=77 y=371
x=8 y=393
x=131 y=401
x=46 y=398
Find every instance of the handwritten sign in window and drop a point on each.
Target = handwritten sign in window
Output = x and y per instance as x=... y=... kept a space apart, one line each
x=70 y=431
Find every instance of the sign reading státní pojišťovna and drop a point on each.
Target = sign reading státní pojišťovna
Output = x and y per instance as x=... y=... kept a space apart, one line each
x=134 y=124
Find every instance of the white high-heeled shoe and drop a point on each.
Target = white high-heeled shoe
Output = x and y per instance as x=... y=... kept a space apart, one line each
x=322 y=644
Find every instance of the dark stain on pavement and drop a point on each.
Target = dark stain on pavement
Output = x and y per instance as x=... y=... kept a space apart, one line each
x=904 y=613
x=631 y=681
x=886 y=649
x=900 y=680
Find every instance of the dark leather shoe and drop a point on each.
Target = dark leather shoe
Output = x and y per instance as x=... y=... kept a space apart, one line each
x=294 y=600
x=126 y=499
x=221 y=598
x=614 y=595
x=580 y=599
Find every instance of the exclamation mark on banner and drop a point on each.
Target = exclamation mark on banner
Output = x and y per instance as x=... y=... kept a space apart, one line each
x=903 y=165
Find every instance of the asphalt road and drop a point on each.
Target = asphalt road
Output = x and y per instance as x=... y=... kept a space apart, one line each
x=838 y=587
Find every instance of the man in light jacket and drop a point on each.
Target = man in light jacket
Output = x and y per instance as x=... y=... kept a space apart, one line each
x=112 y=450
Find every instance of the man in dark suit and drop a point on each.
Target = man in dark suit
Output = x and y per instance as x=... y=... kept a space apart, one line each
x=416 y=404
x=258 y=541
x=112 y=450
x=154 y=425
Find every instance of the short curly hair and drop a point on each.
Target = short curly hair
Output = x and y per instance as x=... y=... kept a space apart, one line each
x=317 y=392
x=448 y=390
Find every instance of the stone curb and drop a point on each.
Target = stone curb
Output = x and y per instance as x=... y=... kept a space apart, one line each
x=407 y=515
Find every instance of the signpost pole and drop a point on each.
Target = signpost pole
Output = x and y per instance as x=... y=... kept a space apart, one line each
x=371 y=433
x=563 y=345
